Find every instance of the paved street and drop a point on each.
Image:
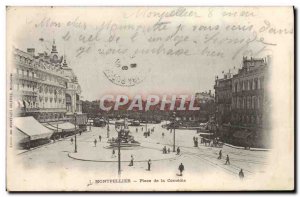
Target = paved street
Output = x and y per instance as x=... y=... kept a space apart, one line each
x=201 y=160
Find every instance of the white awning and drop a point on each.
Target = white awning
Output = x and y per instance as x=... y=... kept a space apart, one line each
x=66 y=126
x=52 y=127
x=32 y=127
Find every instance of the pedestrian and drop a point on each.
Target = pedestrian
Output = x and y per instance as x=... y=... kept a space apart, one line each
x=95 y=142
x=220 y=154
x=113 y=153
x=163 y=135
x=142 y=128
x=71 y=140
x=131 y=161
x=241 y=174
x=136 y=130
x=169 y=150
x=181 y=168
x=164 y=150
x=178 y=150
x=227 y=160
x=99 y=138
x=149 y=164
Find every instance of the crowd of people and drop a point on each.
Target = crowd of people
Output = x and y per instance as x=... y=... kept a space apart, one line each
x=167 y=150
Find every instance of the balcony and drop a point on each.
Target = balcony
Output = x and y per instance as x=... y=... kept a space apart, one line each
x=52 y=110
x=38 y=80
x=25 y=93
x=28 y=110
x=248 y=92
x=224 y=100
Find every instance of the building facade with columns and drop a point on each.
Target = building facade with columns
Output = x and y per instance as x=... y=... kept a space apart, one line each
x=44 y=86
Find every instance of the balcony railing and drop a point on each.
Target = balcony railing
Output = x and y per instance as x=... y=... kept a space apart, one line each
x=35 y=109
x=39 y=80
x=53 y=109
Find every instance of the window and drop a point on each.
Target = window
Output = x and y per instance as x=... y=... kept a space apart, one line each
x=253 y=102
x=248 y=102
x=236 y=87
x=262 y=82
x=243 y=85
x=255 y=84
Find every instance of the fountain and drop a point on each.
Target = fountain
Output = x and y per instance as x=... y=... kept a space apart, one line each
x=124 y=136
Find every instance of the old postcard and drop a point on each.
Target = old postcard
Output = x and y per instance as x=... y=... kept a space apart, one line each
x=150 y=98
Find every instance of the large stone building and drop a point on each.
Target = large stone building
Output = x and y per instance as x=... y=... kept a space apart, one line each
x=249 y=93
x=44 y=86
x=243 y=104
x=223 y=91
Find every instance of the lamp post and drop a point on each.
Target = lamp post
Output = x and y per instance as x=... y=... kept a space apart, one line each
x=107 y=134
x=146 y=121
x=174 y=119
x=119 y=130
x=75 y=117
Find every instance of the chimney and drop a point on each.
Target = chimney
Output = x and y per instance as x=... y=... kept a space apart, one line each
x=31 y=51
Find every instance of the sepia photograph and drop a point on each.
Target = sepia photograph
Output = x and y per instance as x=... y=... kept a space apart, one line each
x=149 y=99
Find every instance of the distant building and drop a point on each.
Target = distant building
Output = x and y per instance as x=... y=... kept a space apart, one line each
x=44 y=86
x=206 y=102
x=204 y=97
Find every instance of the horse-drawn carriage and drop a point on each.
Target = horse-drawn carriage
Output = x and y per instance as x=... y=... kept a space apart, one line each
x=208 y=139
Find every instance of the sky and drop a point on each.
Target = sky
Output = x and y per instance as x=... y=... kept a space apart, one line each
x=211 y=48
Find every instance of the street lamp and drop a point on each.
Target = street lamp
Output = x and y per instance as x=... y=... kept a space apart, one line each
x=146 y=121
x=119 y=130
x=174 y=119
x=107 y=135
x=75 y=117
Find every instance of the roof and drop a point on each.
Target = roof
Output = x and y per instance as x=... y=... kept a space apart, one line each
x=32 y=128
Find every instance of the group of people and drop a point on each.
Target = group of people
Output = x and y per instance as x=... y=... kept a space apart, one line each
x=95 y=141
x=167 y=151
x=148 y=163
x=227 y=162
x=227 y=158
